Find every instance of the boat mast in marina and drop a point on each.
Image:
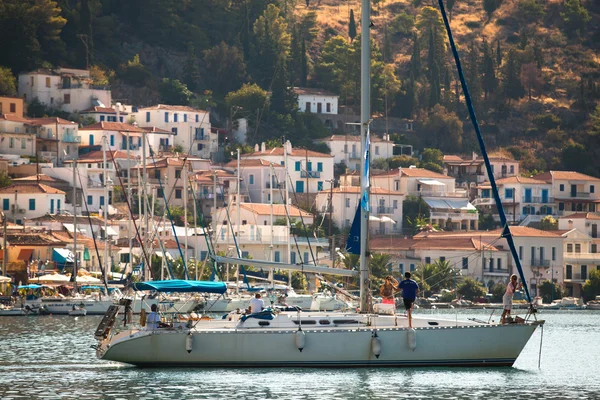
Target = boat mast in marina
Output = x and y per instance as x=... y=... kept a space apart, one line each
x=365 y=115
x=74 y=224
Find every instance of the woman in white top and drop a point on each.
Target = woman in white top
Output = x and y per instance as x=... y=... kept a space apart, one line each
x=153 y=319
x=511 y=288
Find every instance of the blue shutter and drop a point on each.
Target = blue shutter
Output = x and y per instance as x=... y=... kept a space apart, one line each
x=147 y=116
x=166 y=117
x=320 y=167
x=32 y=204
x=5 y=204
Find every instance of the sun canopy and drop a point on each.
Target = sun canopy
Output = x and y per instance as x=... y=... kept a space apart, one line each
x=51 y=278
x=62 y=256
x=431 y=182
x=182 y=286
x=452 y=204
x=30 y=287
x=5 y=279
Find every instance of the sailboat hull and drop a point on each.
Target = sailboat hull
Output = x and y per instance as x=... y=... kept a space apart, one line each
x=475 y=345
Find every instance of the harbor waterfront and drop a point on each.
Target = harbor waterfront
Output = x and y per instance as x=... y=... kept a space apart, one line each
x=50 y=357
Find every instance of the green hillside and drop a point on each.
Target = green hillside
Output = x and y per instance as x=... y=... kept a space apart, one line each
x=532 y=65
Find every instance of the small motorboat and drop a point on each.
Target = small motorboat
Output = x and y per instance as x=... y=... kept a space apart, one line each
x=78 y=311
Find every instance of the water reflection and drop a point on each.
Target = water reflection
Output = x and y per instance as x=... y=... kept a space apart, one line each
x=50 y=357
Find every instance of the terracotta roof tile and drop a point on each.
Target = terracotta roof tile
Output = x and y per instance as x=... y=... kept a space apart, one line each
x=98 y=156
x=48 y=121
x=313 y=91
x=111 y=126
x=13 y=118
x=28 y=188
x=278 y=209
x=171 y=108
x=154 y=129
x=104 y=110
x=256 y=162
x=565 y=175
x=356 y=189
x=36 y=178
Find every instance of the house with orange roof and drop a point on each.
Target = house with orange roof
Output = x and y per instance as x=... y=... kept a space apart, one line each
x=262 y=181
x=587 y=222
x=522 y=197
x=57 y=139
x=118 y=136
x=343 y=201
x=167 y=177
x=449 y=206
x=308 y=171
x=472 y=169
x=68 y=89
x=572 y=191
x=346 y=149
x=190 y=127
x=22 y=201
x=470 y=256
x=262 y=233
x=538 y=251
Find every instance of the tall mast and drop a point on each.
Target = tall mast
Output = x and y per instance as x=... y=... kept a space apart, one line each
x=143 y=210
x=365 y=113
x=130 y=263
x=272 y=228
x=239 y=202
x=286 y=205
x=105 y=207
x=185 y=210
x=74 y=224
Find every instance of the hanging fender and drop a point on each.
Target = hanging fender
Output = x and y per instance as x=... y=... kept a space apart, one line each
x=300 y=340
x=189 y=342
x=375 y=345
x=412 y=339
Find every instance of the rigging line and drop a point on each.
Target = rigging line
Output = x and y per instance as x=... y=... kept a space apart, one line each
x=209 y=243
x=185 y=270
x=488 y=166
x=312 y=255
x=93 y=234
x=137 y=231
x=287 y=213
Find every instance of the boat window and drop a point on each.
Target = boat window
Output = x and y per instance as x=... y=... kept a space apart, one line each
x=306 y=322
x=345 y=321
x=432 y=323
x=324 y=321
x=264 y=323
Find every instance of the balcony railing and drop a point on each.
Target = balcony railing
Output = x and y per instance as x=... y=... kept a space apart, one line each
x=385 y=210
x=438 y=194
x=584 y=195
x=94 y=183
x=454 y=215
x=540 y=263
x=538 y=200
x=71 y=139
x=576 y=277
x=310 y=174
x=201 y=137
x=354 y=155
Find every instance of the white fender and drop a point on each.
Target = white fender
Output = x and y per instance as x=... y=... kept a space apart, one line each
x=189 y=342
x=376 y=346
x=300 y=340
x=412 y=339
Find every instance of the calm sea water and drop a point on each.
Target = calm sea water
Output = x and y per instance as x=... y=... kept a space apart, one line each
x=50 y=357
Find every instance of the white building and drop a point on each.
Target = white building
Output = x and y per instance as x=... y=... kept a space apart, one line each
x=26 y=201
x=449 y=207
x=308 y=170
x=256 y=233
x=386 y=208
x=472 y=170
x=540 y=252
x=572 y=191
x=190 y=127
x=16 y=136
x=521 y=197
x=585 y=222
x=581 y=257
x=71 y=90
x=469 y=256
x=346 y=149
x=116 y=134
x=57 y=138
x=316 y=101
x=257 y=181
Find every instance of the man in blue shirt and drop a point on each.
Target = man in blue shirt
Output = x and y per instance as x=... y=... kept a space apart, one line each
x=410 y=290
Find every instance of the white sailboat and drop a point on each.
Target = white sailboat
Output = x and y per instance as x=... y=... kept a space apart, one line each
x=310 y=339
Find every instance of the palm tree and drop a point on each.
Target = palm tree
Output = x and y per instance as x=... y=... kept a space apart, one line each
x=379 y=268
x=437 y=276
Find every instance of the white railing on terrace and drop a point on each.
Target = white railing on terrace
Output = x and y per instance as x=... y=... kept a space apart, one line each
x=422 y=193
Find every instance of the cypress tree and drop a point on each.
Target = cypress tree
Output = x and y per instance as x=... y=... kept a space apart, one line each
x=513 y=89
x=415 y=58
x=303 y=64
x=295 y=59
x=352 y=27
x=85 y=16
x=434 y=86
x=498 y=54
x=472 y=73
x=489 y=74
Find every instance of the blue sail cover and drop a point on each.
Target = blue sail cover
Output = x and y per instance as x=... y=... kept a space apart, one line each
x=366 y=205
x=178 y=285
x=353 y=243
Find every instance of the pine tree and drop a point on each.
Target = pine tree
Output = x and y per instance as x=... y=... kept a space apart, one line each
x=450 y=6
x=415 y=58
x=489 y=82
x=352 y=27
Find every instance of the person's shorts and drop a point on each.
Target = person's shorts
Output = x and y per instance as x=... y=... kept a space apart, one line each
x=507 y=302
x=388 y=301
x=408 y=303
